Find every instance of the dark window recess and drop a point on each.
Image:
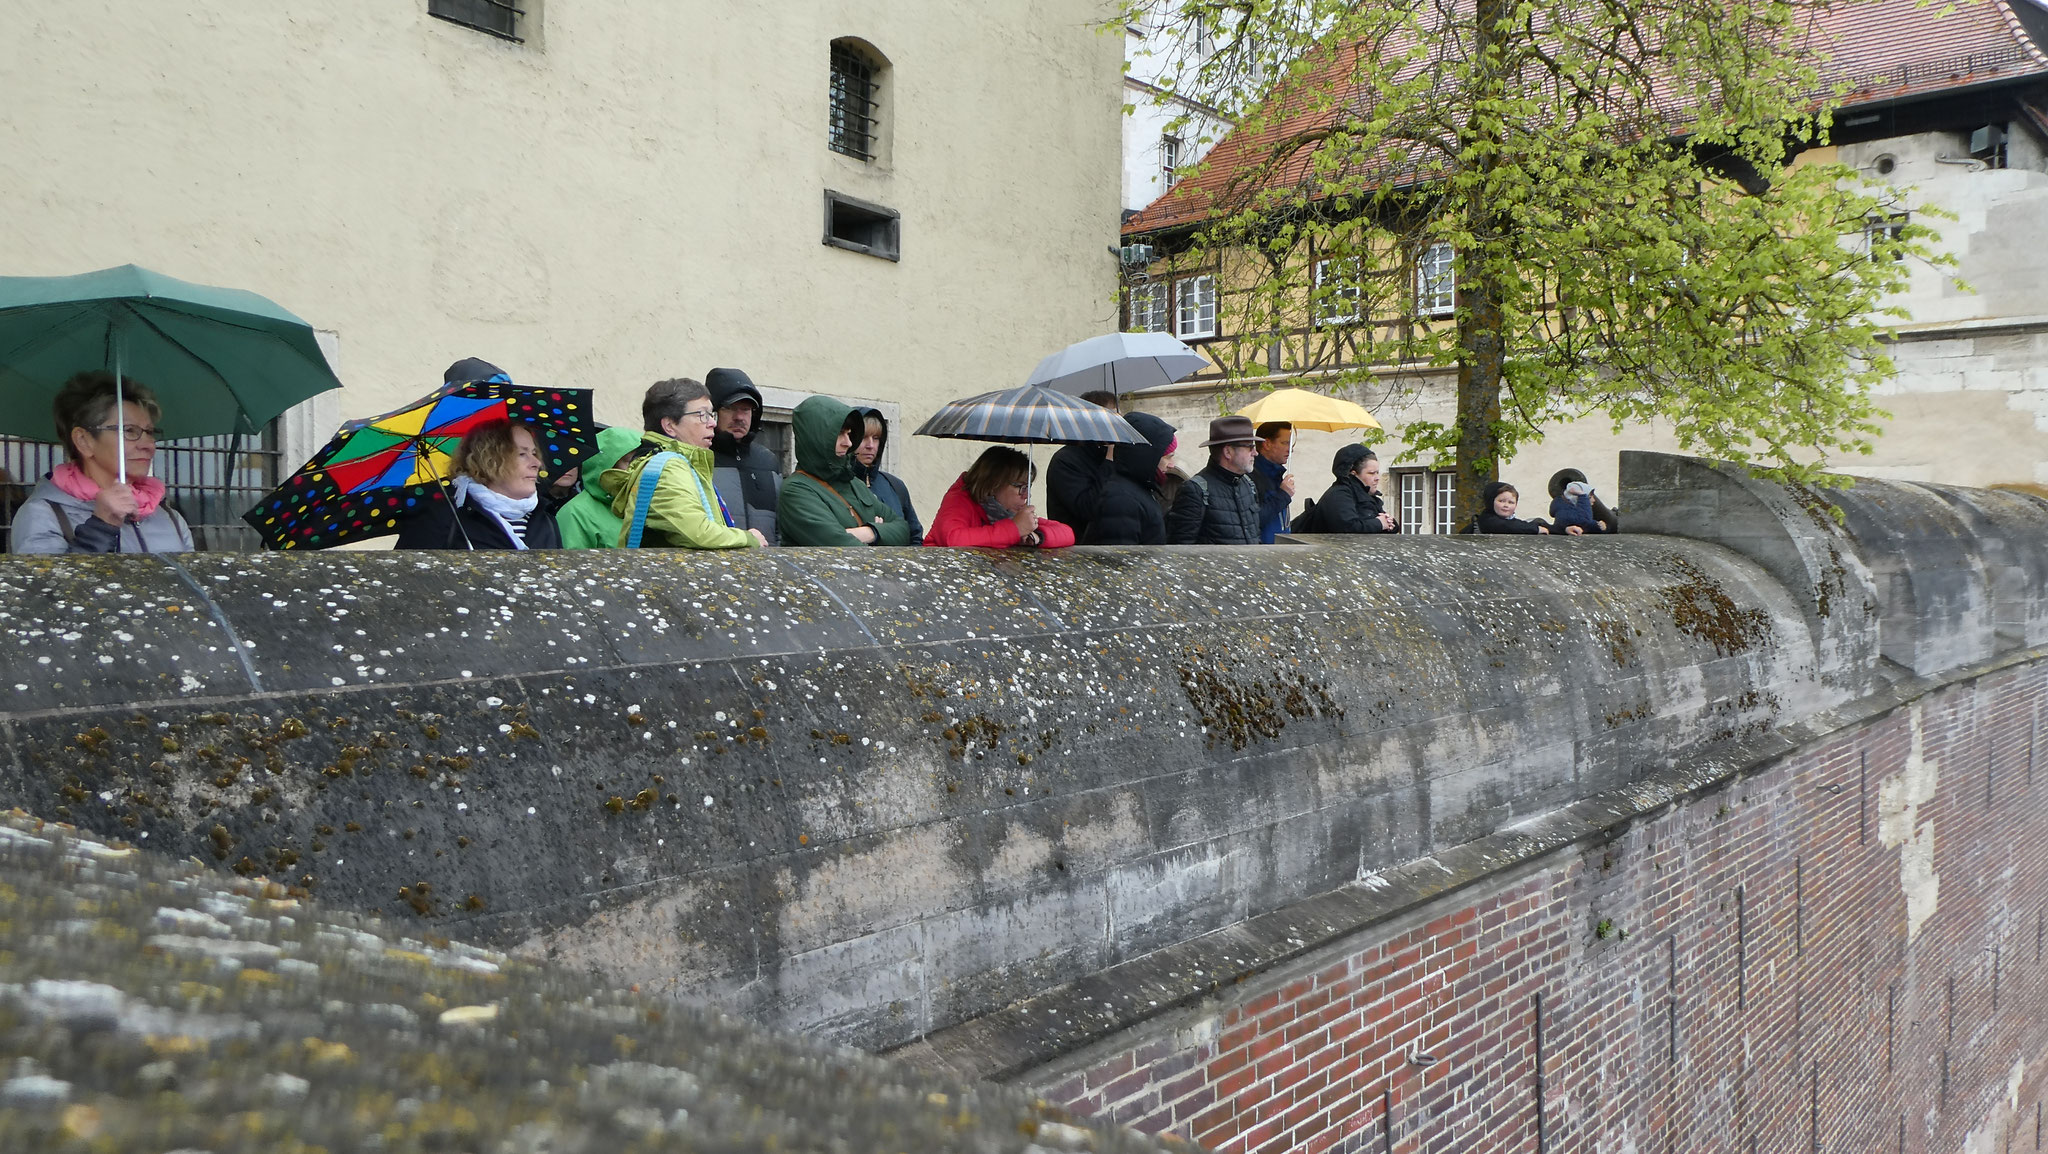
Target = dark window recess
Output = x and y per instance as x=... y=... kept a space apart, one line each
x=852 y=128
x=497 y=17
x=211 y=481
x=862 y=227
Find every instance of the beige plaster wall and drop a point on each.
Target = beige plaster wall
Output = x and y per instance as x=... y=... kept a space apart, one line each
x=635 y=194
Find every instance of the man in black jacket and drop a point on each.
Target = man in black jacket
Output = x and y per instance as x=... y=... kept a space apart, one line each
x=1078 y=475
x=747 y=475
x=1220 y=505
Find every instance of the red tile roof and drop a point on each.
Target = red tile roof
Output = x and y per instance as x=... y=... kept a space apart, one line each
x=1884 y=50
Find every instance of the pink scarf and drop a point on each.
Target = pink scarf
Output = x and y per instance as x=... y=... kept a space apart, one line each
x=149 y=491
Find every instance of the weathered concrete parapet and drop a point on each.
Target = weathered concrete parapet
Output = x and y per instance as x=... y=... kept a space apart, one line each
x=1790 y=533
x=874 y=793
x=1955 y=575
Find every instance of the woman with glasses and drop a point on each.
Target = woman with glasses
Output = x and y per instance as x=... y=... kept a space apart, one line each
x=493 y=501
x=990 y=506
x=676 y=505
x=83 y=506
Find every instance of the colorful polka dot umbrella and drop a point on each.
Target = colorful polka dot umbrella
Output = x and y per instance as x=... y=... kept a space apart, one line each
x=378 y=471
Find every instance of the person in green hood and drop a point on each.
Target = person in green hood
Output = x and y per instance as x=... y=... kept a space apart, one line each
x=587 y=520
x=684 y=510
x=823 y=503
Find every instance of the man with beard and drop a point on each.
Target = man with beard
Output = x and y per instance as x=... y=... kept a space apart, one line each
x=747 y=476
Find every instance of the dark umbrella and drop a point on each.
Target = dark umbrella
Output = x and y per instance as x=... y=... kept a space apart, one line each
x=1030 y=415
x=378 y=471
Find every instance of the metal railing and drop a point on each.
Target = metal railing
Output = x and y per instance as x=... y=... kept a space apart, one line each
x=210 y=481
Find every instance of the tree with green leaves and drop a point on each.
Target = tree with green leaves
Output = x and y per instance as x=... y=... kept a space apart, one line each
x=1613 y=187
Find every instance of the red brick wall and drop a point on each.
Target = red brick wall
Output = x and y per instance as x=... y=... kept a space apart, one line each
x=1733 y=974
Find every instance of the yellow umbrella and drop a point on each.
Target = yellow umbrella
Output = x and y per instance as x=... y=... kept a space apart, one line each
x=1306 y=410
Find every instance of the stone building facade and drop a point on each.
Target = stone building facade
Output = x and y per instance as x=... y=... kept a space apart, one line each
x=609 y=195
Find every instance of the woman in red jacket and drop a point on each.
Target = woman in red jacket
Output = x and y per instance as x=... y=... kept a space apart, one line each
x=990 y=506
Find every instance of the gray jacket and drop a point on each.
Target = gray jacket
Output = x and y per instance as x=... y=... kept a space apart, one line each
x=750 y=483
x=1215 y=507
x=53 y=521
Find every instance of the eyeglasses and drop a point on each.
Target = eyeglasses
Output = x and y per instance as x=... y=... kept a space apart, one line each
x=131 y=432
x=1023 y=487
x=708 y=416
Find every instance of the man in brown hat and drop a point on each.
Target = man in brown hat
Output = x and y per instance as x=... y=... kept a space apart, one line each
x=1220 y=504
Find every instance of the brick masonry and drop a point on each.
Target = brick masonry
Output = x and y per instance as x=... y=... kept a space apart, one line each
x=1742 y=972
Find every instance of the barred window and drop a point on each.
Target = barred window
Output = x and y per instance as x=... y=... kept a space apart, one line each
x=1197 y=306
x=1436 y=281
x=1148 y=310
x=500 y=18
x=1337 y=291
x=855 y=101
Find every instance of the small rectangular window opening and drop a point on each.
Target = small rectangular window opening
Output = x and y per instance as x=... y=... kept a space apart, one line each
x=851 y=131
x=1881 y=234
x=1337 y=291
x=1169 y=159
x=861 y=227
x=500 y=18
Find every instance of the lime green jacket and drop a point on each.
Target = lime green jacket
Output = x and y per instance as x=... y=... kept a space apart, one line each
x=684 y=512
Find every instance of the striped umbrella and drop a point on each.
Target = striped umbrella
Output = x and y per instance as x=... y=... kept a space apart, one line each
x=1030 y=415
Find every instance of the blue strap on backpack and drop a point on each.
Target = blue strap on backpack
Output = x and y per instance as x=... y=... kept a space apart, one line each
x=643 y=495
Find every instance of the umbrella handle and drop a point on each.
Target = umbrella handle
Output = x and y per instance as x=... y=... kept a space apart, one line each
x=120 y=417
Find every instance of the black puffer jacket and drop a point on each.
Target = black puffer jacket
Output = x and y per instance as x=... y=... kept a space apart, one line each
x=1216 y=507
x=1129 y=512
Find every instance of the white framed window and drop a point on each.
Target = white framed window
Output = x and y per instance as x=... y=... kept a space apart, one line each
x=1445 y=486
x=1436 y=281
x=1148 y=309
x=1169 y=159
x=1337 y=291
x=1196 y=298
x=1883 y=231
x=1414 y=488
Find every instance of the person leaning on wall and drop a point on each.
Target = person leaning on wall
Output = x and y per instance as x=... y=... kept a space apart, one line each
x=1131 y=511
x=82 y=506
x=823 y=503
x=664 y=487
x=494 y=500
x=867 y=465
x=1352 y=503
x=990 y=507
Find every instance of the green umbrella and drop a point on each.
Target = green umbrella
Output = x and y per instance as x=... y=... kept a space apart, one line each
x=220 y=360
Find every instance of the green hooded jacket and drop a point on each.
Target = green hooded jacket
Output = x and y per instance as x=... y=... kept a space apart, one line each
x=587 y=519
x=823 y=499
x=684 y=512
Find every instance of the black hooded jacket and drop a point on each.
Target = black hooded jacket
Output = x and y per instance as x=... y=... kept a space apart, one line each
x=1128 y=510
x=1074 y=483
x=1347 y=506
x=747 y=476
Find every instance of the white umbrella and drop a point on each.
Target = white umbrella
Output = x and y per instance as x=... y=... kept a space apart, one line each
x=1118 y=363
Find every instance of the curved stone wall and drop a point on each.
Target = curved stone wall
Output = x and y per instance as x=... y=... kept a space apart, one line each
x=876 y=793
